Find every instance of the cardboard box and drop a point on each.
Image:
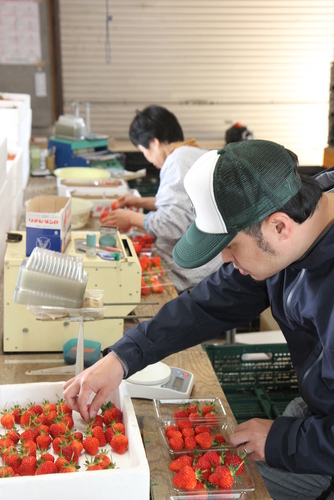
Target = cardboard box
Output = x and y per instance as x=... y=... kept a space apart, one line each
x=130 y=480
x=48 y=223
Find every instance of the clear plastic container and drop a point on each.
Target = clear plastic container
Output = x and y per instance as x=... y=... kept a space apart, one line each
x=165 y=408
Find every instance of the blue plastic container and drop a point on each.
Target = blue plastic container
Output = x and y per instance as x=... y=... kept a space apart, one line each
x=92 y=352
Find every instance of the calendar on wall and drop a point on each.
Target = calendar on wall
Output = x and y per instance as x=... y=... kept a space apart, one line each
x=20 y=38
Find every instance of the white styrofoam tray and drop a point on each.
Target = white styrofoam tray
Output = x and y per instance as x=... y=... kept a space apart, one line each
x=129 y=480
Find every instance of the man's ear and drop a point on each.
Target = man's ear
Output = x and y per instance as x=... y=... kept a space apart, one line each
x=279 y=225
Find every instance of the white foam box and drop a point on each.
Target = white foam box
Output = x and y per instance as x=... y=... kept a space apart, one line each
x=92 y=191
x=24 y=99
x=128 y=481
x=48 y=223
x=3 y=159
x=101 y=202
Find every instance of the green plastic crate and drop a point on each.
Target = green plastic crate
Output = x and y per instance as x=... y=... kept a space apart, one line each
x=258 y=380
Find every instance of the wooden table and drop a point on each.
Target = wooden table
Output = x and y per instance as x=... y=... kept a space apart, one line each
x=195 y=360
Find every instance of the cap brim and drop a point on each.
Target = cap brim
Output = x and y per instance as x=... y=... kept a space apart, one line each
x=196 y=248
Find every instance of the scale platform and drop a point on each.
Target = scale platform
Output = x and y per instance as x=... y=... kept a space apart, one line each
x=160 y=381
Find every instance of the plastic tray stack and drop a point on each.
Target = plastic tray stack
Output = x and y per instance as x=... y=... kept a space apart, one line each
x=165 y=410
x=258 y=380
x=49 y=278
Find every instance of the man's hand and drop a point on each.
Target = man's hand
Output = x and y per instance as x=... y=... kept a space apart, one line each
x=118 y=218
x=101 y=379
x=252 y=435
x=128 y=200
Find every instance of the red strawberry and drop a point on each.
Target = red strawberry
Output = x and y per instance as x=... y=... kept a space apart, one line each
x=193 y=407
x=190 y=443
x=170 y=428
x=46 y=457
x=119 y=443
x=47 y=406
x=7 y=420
x=236 y=463
x=70 y=452
x=27 y=466
x=62 y=407
x=12 y=458
x=222 y=477
x=105 y=461
x=211 y=419
x=57 y=429
x=201 y=428
x=49 y=417
x=69 y=467
x=176 y=443
x=26 y=418
x=35 y=409
x=156 y=285
x=99 y=434
x=183 y=424
x=193 y=417
x=200 y=487
x=185 y=478
x=14 y=435
x=182 y=413
x=91 y=445
x=17 y=411
x=60 y=462
x=172 y=433
x=93 y=464
x=29 y=448
x=57 y=444
x=180 y=462
x=188 y=432
x=219 y=438
x=46 y=467
x=213 y=458
x=98 y=420
x=204 y=440
x=28 y=435
x=6 y=471
x=208 y=408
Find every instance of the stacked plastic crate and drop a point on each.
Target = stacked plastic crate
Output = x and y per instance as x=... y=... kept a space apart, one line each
x=15 y=125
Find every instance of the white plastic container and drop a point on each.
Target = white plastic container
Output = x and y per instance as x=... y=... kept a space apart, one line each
x=129 y=481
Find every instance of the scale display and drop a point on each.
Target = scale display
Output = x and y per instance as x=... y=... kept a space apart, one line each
x=159 y=381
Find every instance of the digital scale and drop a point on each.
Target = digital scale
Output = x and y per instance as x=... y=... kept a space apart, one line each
x=159 y=381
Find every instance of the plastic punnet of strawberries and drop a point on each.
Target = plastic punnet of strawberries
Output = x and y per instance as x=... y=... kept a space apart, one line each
x=212 y=471
x=41 y=439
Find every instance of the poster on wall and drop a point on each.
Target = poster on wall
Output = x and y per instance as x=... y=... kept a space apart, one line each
x=20 y=38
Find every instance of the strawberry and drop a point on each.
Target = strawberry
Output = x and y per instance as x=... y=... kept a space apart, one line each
x=180 y=462
x=60 y=462
x=62 y=407
x=26 y=418
x=46 y=457
x=6 y=471
x=201 y=428
x=77 y=445
x=119 y=443
x=188 y=432
x=46 y=467
x=70 y=452
x=235 y=463
x=204 y=440
x=47 y=406
x=211 y=419
x=219 y=438
x=213 y=458
x=193 y=407
x=29 y=448
x=222 y=477
x=97 y=421
x=156 y=285
x=93 y=464
x=99 y=434
x=7 y=420
x=173 y=433
x=190 y=443
x=5 y=442
x=49 y=417
x=185 y=478
x=12 y=458
x=182 y=413
x=14 y=435
x=35 y=409
x=105 y=461
x=57 y=429
x=17 y=411
x=176 y=443
x=28 y=435
x=27 y=466
x=69 y=467
x=67 y=420
x=111 y=414
x=208 y=408
x=57 y=444
x=170 y=428
x=201 y=487
x=182 y=424
x=193 y=417
x=144 y=287
x=91 y=445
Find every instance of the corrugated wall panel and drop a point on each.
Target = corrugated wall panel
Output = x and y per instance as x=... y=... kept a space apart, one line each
x=265 y=63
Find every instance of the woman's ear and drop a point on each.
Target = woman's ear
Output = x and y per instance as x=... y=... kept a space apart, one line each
x=279 y=225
